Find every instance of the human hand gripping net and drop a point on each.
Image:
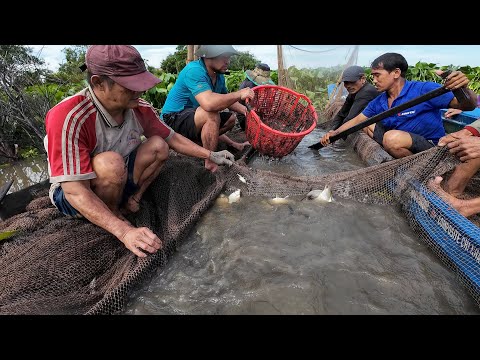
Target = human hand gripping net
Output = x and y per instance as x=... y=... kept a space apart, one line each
x=223 y=157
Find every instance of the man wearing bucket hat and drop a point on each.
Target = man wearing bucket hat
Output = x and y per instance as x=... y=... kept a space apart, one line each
x=360 y=93
x=258 y=76
x=97 y=160
x=195 y=104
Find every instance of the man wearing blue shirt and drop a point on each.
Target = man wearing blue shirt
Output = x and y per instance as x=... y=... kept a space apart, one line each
x=195 y=104
x=417 y=128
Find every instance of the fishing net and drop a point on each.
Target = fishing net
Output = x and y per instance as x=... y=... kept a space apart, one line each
x=321 y=80
x=55 y=265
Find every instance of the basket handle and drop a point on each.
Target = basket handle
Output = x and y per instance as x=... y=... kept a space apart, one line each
x=248 y=106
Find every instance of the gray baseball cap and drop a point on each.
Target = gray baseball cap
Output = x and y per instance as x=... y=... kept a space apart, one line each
x=211 y=51
x=353 y=73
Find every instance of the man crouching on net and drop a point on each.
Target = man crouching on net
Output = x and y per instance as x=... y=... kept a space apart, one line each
x=418 y=128
x=97 y=161
x=194 y=106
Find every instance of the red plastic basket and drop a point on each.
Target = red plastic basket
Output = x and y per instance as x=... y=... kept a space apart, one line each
x=279 y=120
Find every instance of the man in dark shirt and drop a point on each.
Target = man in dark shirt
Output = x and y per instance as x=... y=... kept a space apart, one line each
x=360 y=93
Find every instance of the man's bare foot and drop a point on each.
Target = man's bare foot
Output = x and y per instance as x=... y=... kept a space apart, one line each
x=239 y=146
x=462 y=206
x=210 y=165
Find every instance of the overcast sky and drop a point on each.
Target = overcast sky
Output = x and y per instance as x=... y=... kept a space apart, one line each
x=309 y=56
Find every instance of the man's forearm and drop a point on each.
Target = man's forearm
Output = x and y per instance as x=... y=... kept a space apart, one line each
x=96 y=211
x=336 y=122
x=356 y=120
x=185 y=146
x=472 y=103
x=237 y=107
x=219 y=102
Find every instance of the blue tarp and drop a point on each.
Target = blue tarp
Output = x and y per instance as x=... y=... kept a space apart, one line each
x=330 y=88
x=464 y=118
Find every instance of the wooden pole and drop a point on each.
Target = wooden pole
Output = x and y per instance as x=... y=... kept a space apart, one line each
x=281 y=70
x=195 y=48
x=190 y=53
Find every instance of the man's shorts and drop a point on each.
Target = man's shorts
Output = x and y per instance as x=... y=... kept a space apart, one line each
x=419 y=143
x=59 y=200
x=183 y=122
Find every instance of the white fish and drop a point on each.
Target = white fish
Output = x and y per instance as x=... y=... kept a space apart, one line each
x=234 y=197
x=242 y=179
x=279 y=200
x=324 y=195
x=221 y=200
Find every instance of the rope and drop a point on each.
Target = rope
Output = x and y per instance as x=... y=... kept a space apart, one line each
x=319 y=51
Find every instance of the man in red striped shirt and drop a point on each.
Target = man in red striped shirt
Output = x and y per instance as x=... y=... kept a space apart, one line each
x=97 y=159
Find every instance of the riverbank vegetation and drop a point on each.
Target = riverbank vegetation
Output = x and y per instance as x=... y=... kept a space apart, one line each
x=28 y=89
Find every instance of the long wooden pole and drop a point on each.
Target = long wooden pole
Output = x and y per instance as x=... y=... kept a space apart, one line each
x=281 y=70
x=392 y=111
x=195 y=48
x=190 y=53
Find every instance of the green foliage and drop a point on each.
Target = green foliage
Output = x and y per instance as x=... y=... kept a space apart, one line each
x=29 y=153
x=69 y=71
x=21 y=113
x=314 y=82
x=423 y=71
x=8 y=234
x=234 y=80
x=274 y=76
x=473 y=74
x=54 y=92
x=158 y=94
x=174 y=63
x=243 y=61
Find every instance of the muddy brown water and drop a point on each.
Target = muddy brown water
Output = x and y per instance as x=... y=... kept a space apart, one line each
x=252 y=257
x=343 y=257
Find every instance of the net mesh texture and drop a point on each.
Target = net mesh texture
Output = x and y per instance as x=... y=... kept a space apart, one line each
x=57 y=265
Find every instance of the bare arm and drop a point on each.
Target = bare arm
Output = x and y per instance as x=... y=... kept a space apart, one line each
x=185 y=146
x=457 y=80
x=356 y=120
x=452 y=112
x=239 y=108
x=85 y=201
x=470 y=130
x=325 y=140
x=466 y=148
x=211 y=101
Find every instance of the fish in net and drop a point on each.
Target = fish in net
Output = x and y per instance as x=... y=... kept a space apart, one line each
x=57 y=265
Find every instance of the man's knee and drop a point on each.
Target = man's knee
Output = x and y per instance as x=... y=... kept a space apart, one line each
x=394 y=139
x=203 y=117
x=156 y=146
x=110 y=166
